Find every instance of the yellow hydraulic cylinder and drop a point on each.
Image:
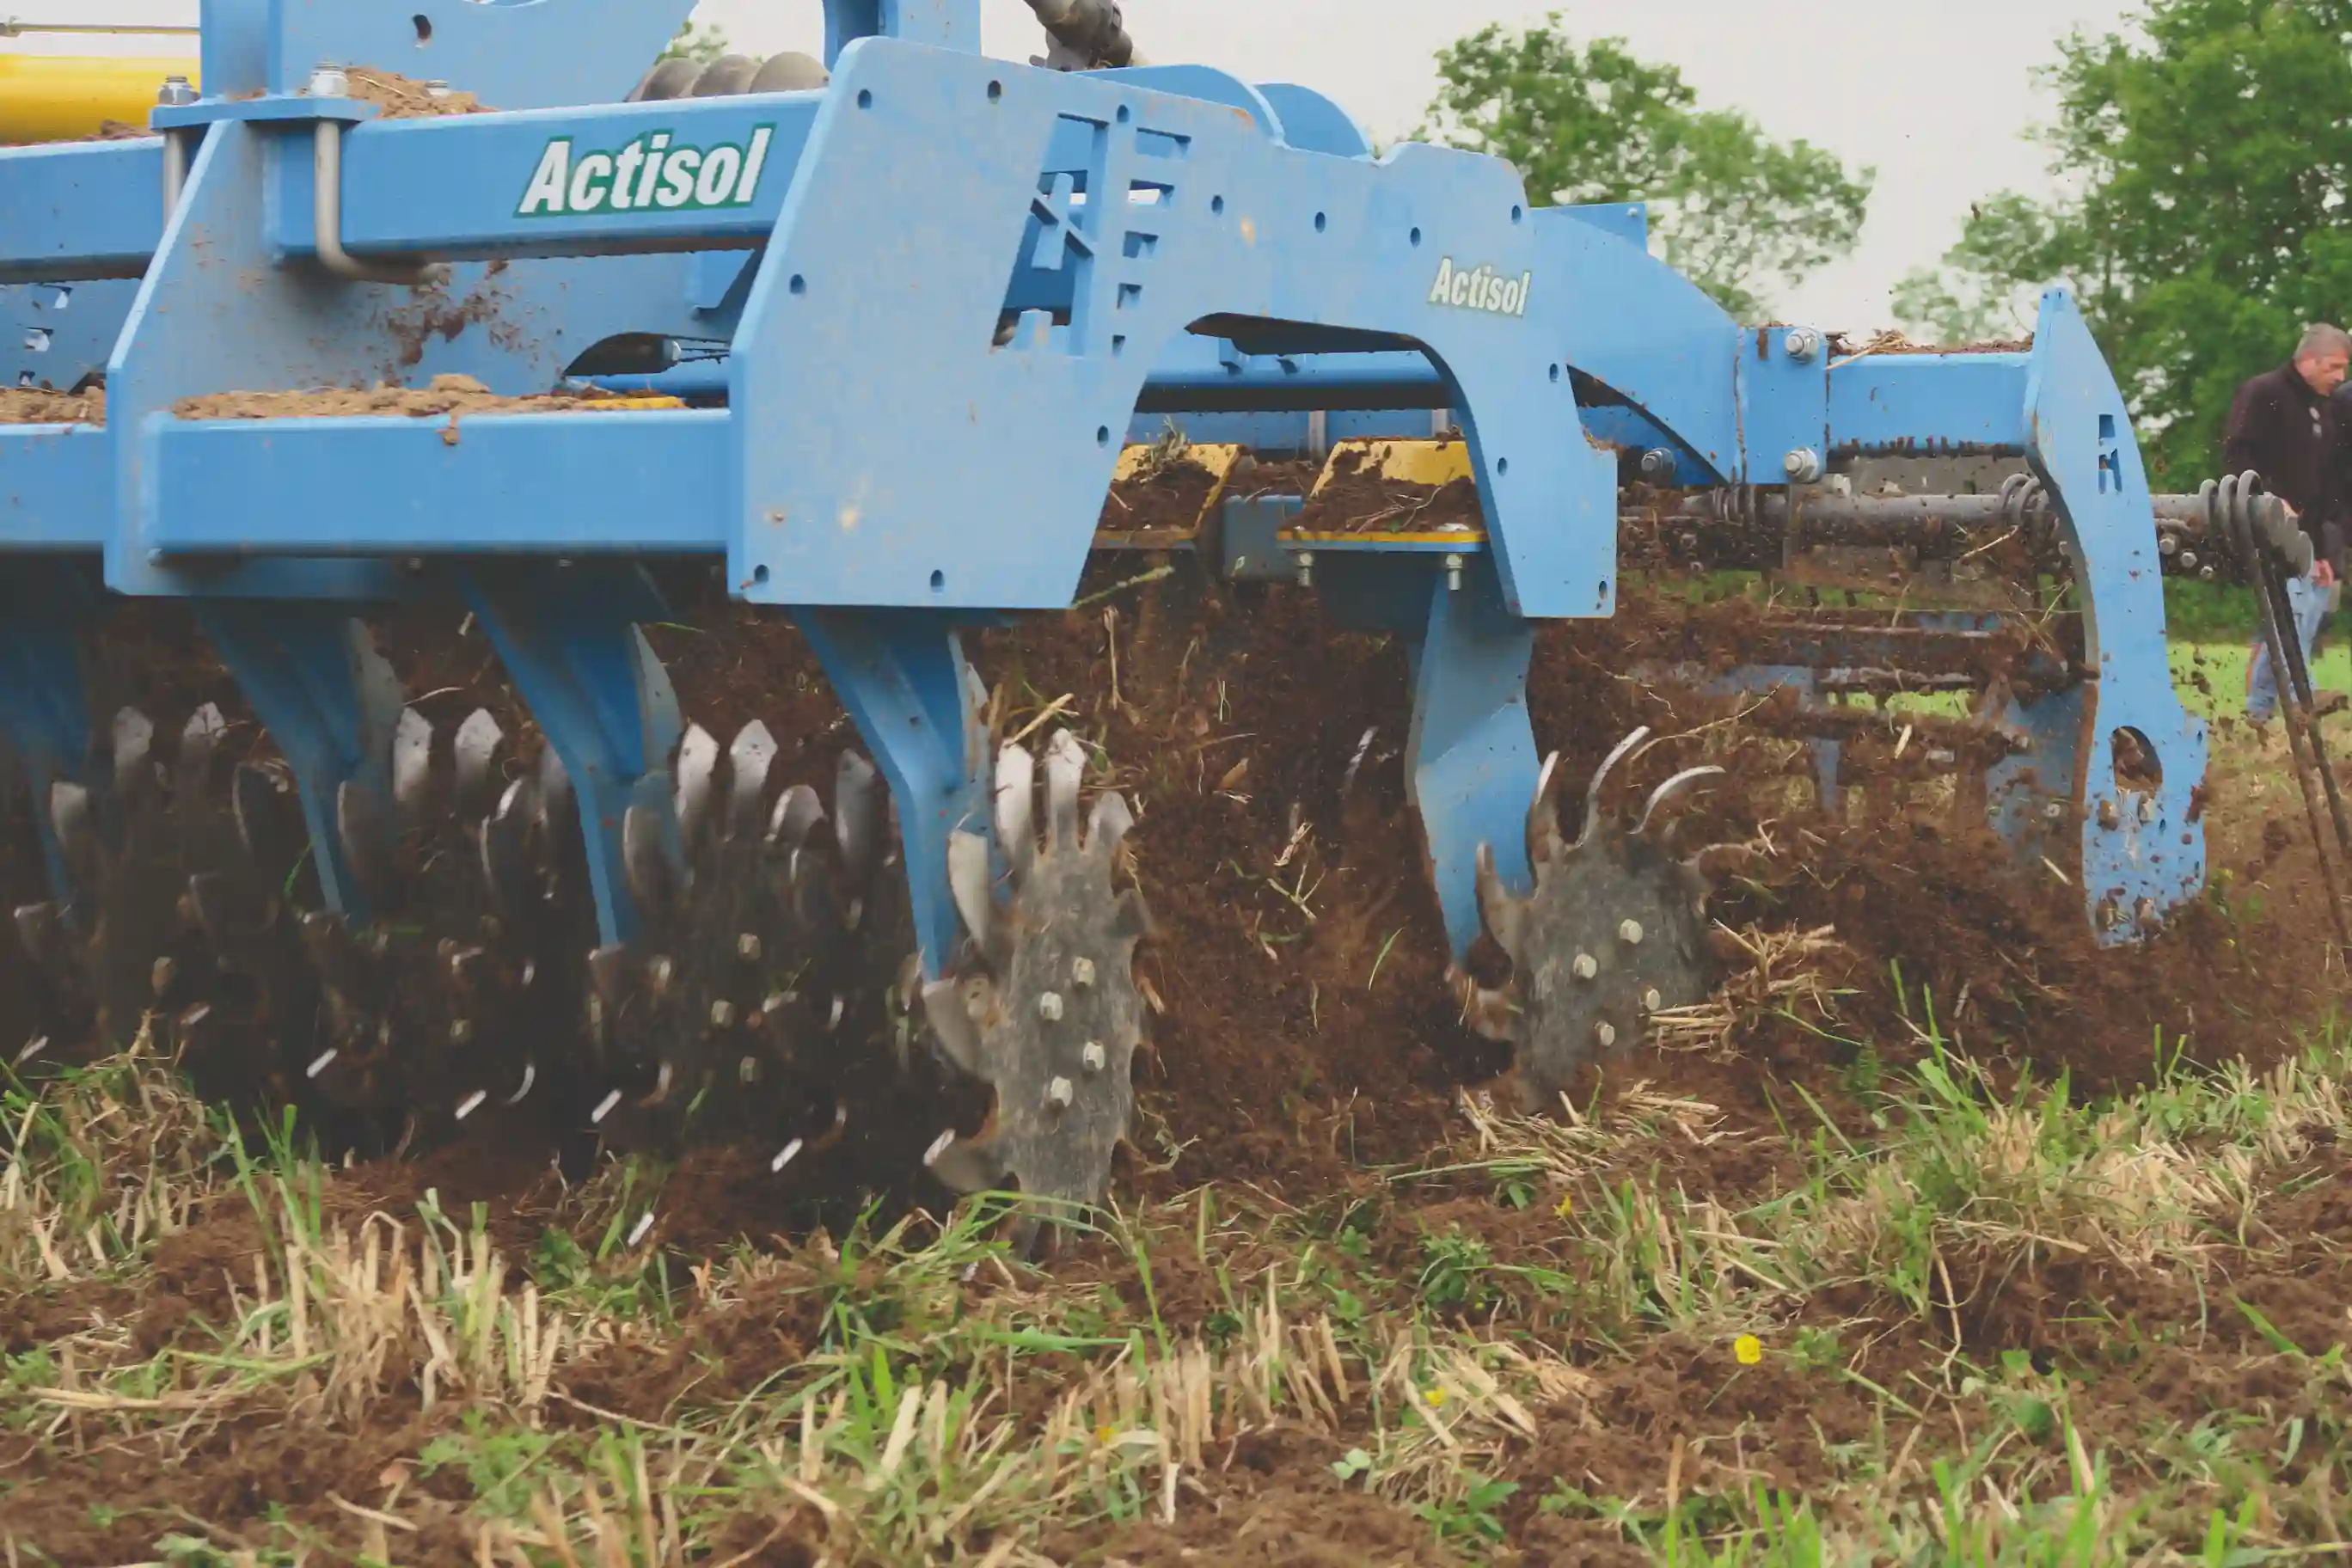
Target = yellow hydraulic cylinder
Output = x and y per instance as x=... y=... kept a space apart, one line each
x=69 y=97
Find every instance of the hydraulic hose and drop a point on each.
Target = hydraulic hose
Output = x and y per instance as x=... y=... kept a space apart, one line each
x=68 y=98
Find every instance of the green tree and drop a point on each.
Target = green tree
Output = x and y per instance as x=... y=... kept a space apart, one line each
x=2207 y=158
x=699 y=44
x=1741 y=214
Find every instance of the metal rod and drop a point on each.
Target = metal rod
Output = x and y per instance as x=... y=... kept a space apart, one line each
x=176 y=171
x=2271 y=599
x=14 y=28
x=327 y=222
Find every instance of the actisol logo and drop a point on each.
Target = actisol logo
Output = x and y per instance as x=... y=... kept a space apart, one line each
x=646 y=176
x=1484 y=290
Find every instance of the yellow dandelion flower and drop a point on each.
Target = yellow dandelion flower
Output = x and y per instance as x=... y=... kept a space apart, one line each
x=1436 y=1396
x=1567 y=1206
x=1748 y=1349
x=1105 y=1434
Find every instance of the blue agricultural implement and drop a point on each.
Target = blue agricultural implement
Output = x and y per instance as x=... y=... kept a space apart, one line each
x=881 y=333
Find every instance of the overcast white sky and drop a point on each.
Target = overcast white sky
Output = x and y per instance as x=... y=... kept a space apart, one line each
x=1934 y=92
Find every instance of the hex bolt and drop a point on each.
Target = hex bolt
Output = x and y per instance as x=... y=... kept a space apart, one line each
x=2188 y=560
x=1658 y=464
x=661 y=971
x=747 y=1070
x=2205 y=574
x=747 y=947
x=1049 y=1006
x=1651 y=1001
x=1802 y=465
x=1305 y=559
x=1094 y=1057
x=723 y=1014
x=2167 y=545
x=1630 y=933
x=2110 y=916
x=1061 y=1092
x=1606 y=1033
x=1801 y=343
x=2145 y=911
x=2053 y=811
x=175 y=93
x=1586 y=966
x=461 y=1033
x=1453 y=573
x=329 y=81
x=1082 y=972
x=2109 y=817
x=2147 y=808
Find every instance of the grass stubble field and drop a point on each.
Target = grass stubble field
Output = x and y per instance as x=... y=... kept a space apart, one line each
x=1944 y=1240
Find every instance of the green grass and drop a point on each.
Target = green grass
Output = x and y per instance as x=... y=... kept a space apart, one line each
x=1413 y=1341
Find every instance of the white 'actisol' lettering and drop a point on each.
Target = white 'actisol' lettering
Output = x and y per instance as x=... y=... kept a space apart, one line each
x=1483 y=289
x=647 y=173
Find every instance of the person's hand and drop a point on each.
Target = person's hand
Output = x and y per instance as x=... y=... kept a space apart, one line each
x=2323 y=573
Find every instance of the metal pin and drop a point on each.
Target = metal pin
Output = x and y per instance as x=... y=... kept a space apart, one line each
x=529 y=971
x=723 y=1014
x=661 y=970
x=160 y=974
x=461 y=1033
x=1094 y=1057
x=196 y=1015
x=1061 y=1092
x=472 y=1103
x=530 y=1076
x=791 y=1152
x=1606 y=1033
x=940 y=1145
x=637 y=1232
x=1305 y=559
x=33 y=1047
x=604 y=1109
x=2145 y=910
x=2147 y=808
x=1049 y=1006
x=661 y=1084
x=325 y=1059
x=1586 y=966
x=840 y=1006
x=1453 y=573
x=1630 y=933
x=747 y=947
x=1082 y=972
x=2109 y=817
x=747 y=1069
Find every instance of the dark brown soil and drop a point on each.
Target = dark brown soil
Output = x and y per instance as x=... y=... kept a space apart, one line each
x=1302 y=1032
x=448 y=397
x=1353 y=498
x=27 y=406
x=1166 y=505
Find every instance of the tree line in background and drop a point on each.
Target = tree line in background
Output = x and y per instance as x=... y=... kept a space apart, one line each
x=2205 y=154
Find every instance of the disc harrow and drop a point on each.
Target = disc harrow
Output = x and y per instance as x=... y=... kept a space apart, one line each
x=693 y=322
x=1613 y=932
x=1048 y=1014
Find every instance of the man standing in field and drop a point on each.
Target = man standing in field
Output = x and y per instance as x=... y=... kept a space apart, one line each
x=2285 y=425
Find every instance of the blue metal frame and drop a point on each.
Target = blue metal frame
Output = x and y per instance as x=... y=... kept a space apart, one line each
x=1005 y=268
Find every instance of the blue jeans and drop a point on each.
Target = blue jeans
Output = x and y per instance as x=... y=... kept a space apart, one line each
x=2310 y=604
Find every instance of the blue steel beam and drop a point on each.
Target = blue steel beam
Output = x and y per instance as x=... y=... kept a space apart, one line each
x=1928 y=405
x=554 y=485
x=81 y=211
x=57 y=488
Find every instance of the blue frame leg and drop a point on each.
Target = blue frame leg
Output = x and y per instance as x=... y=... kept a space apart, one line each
x=570 y=640
x=45 y=607
x=903 y=678
x=332 y=704
x=1470 y=764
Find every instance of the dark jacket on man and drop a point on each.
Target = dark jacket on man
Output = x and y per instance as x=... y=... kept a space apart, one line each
x=2294 y=437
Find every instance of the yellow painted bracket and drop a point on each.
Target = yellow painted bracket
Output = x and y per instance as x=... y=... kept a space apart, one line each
x=1432 y=465
x=1135 y=464
x=69 y=97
